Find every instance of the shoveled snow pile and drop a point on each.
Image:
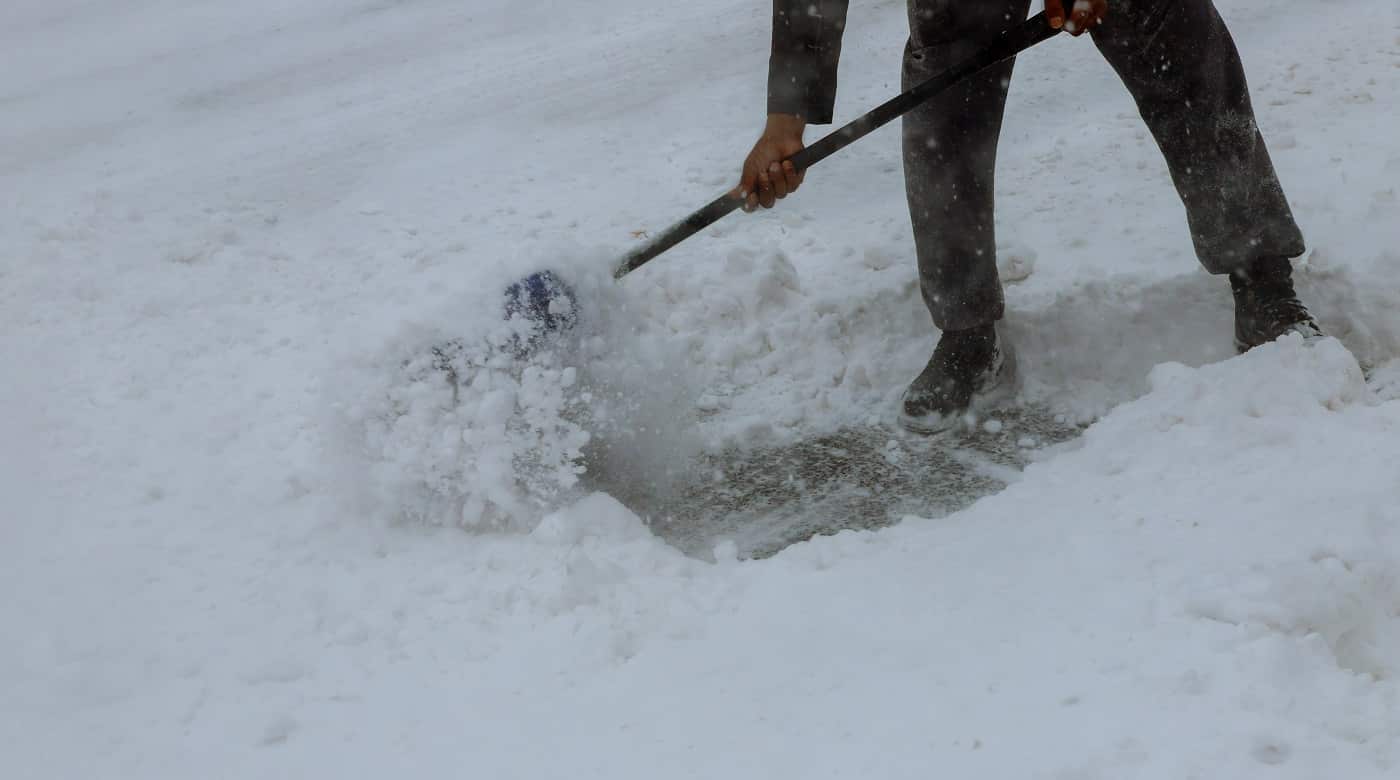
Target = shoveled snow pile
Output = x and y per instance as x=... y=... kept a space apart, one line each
x=253 y=525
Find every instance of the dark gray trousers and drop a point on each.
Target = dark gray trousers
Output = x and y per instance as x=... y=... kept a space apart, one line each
x=1180 y=65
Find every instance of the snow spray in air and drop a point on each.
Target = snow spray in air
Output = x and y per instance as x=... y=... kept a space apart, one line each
x=488 y=423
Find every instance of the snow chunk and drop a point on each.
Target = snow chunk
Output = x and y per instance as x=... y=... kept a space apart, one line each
x=598 y=516
x=877 y=259
x=1286 y=378
x=1015 y=262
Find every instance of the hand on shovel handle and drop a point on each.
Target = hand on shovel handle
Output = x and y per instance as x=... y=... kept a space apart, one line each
x=768 y=175
x=1076 y=17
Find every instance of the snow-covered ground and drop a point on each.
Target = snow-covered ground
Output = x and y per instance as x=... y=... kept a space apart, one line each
x=226 y=226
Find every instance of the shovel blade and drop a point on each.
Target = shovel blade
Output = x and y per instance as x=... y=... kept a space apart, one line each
x=546 y=302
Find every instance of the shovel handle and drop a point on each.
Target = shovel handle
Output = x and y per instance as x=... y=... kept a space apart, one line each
x=1012 y=42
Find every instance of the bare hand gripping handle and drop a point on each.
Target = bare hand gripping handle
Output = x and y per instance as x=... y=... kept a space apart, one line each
x=1012 y=42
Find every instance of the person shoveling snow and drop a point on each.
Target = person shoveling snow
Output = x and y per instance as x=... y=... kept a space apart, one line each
x=1178 y=61
x=1176 y=58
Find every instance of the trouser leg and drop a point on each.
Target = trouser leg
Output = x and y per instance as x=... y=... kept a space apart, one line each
x=1179 y=62
x=950 y=146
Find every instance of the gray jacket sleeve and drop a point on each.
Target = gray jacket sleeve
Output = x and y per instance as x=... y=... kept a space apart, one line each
x=806 y=47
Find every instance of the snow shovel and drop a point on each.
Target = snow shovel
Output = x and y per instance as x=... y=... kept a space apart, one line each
x=550 y=306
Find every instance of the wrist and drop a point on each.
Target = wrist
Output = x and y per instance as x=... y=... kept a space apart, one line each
x=785 y=124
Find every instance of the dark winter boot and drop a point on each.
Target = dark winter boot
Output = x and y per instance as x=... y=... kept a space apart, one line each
x=1266 y=306
x=966 y=368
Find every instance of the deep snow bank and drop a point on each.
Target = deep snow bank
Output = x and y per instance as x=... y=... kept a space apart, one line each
x=1207 y=587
